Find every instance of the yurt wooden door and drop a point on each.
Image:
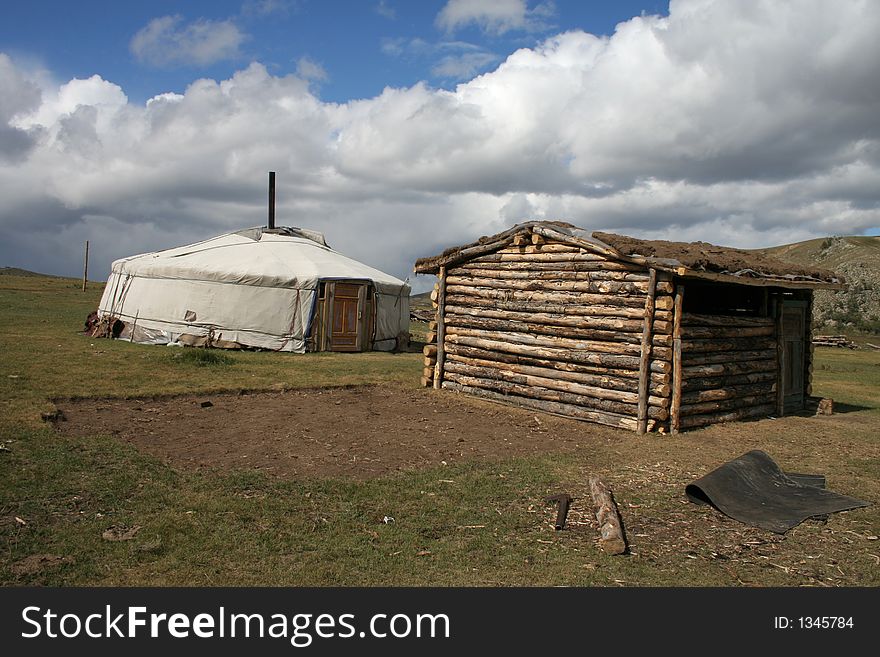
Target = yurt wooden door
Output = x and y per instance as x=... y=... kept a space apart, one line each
x=349 y=316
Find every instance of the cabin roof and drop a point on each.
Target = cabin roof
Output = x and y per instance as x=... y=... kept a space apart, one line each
x=699 y=260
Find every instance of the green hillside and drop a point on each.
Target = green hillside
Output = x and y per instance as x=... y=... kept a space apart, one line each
x=858 y=260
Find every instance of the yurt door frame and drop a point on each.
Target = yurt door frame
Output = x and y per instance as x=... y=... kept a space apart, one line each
x=347 y=315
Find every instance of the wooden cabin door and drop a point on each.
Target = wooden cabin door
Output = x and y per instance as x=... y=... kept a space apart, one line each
x=794 y=332
x=348 y=320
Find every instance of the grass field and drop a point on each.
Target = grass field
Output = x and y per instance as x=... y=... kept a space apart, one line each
x=472 y=523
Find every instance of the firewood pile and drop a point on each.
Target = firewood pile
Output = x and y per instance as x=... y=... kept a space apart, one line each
x=834 y=341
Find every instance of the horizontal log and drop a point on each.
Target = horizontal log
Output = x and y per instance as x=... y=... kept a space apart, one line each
x=721 y=332
x=473 y=322
x=430 y=350
x=620 y=379
x=429 y=361
x=726 y=404
x=728 y=344
x=428 y=372
x=532 y=296
x=727 y=356
x=592 y=287
x=595 y=346
x=551 y=382
x=606 y=360
x=543 y=275
x=431 y=337
x=537 y=257
x=609 y=329
x=544 y=248
x=691 y=421
x=547 y=394
x=724 y=369
x=565 y=309
x=563 y=297
x=427 y=382
x=694 y=319
x=703 y=383
x=554 y=408
x=592 y=265
x=729 y=392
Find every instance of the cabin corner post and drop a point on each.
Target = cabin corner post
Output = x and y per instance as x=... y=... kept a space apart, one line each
x=441 y=328
x=675 y=406
x=645 y=358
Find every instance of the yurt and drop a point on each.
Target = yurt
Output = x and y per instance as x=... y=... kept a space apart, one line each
x=282 y=289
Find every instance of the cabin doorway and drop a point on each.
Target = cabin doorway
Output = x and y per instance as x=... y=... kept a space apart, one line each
x=794 y=337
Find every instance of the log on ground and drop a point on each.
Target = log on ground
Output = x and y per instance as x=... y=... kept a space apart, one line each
x=611 y=537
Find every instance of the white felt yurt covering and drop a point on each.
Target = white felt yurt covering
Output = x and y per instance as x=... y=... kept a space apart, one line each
x=254 y=287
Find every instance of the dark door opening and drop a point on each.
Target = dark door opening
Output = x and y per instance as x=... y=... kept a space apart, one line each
x=794 y=332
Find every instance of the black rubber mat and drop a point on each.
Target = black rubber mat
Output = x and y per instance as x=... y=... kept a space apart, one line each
x=754 y=490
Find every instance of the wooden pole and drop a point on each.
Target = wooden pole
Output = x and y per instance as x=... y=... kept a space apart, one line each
x=441 y=327
x=86 y=267
x=675 y=410
x=645 y=358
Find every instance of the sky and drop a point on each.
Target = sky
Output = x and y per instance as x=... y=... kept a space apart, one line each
x=400 y=128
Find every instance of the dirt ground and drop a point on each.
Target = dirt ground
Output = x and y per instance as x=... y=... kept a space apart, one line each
x=357 y=432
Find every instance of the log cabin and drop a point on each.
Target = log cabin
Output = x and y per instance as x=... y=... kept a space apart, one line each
x=637 y=334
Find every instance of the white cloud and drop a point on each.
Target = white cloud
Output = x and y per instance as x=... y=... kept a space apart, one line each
x=308 y=69
x=383 y=8
x=18 y=96
x=262 y=8
x=167 y=41
x=744 y=123
x=457 y=60
x=462 y=67
x=495 y=16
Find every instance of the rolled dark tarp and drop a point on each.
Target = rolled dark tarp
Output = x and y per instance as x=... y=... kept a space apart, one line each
x=754 y=490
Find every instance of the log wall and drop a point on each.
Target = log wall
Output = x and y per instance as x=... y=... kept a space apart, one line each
x=556 y=328
x=729 y=368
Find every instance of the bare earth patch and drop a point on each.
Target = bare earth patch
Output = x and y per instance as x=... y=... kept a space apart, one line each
x=365 y=432
x=357 y=432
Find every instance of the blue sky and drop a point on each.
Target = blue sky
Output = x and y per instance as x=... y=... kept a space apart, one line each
x=361 y=45
x=401 y=128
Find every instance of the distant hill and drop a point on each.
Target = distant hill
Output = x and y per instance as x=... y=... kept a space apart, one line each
x=857 y=259
x=15 y=271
